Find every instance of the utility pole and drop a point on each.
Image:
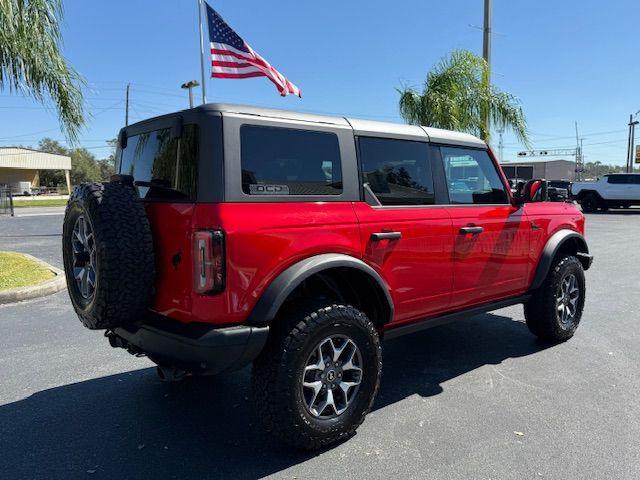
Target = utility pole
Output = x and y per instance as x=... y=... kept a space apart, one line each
x=189 y=85
x=631 y=141
x=126 y=106
x=486 y=54
x=501 y=146
x=486 y=37
x=579 y=165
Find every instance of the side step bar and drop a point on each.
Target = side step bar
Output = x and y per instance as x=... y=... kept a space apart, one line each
x=451 y=317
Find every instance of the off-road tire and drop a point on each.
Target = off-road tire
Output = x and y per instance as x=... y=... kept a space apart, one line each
x=590 y=203
x=277 y=372
x=124 y=262
x=541 y=311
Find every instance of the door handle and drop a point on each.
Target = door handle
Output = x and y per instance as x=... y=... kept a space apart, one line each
x=386 y=236
x=471 y=230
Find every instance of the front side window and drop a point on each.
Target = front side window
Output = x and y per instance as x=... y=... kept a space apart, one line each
x=397 y=171
x=285 y=161
x=171 y=164
x=472 y=177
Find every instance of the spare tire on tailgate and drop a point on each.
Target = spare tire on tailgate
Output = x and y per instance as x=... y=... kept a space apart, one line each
x=108 y=253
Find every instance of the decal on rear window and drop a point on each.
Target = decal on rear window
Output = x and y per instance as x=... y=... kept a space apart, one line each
x=255 y=189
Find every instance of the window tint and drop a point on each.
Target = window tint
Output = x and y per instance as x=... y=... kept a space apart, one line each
x=397 y=171
x=153 y=157
x=284 y=161
x=634 y=179
x=472 y=177
x=617 y=179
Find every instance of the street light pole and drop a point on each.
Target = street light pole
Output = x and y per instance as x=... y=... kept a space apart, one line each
x=189 y=85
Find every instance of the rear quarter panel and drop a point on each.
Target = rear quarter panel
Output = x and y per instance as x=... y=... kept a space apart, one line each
x=262 y=240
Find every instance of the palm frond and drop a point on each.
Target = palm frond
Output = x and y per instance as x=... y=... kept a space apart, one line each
x=458 y=96
x=31 y=61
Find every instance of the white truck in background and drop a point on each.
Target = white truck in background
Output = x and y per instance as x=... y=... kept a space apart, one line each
x=616 y=190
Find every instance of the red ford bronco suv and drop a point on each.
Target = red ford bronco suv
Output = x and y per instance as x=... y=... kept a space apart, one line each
x=235 y=234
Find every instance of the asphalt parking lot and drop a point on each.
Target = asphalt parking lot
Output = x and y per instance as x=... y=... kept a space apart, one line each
x=479 y=399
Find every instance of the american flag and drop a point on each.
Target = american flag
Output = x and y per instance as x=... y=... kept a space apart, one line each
x=232 y=57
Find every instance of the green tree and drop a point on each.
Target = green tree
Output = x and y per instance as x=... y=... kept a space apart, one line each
x=52 y=178
x=84 y=167
x=457 y=96
x=31 y=61
x=108 y=165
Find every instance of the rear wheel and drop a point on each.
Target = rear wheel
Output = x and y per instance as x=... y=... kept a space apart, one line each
x=590 y=203
x=318 y=376
x=555 y=310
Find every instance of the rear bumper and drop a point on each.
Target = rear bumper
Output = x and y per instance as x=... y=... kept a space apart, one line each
x=197 y=347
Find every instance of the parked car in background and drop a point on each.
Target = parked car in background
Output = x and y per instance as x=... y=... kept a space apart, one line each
x=20 y=188
x=559 y=190
x=516 y=183
x=616 y=190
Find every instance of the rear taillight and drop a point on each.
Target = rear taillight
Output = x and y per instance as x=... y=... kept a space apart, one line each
x=208 y=261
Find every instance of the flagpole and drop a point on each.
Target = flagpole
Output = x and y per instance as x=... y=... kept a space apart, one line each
x=203 y=83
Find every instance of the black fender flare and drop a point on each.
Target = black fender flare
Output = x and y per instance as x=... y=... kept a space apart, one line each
x=551 y=249
x=286 y=282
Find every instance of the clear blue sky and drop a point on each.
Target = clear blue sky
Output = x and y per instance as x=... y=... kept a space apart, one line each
x=566 y=60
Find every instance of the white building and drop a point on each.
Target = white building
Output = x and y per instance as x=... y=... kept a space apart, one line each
x=23 y=164
x=547 y=169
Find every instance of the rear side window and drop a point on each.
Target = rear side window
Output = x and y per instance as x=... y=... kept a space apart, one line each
x=617 y=179
x=472 y=178
x=285 y=161
x=397 y=171
x=170 y=164
x=634 y=179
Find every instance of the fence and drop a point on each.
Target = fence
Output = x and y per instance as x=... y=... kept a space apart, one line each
x=6 y=201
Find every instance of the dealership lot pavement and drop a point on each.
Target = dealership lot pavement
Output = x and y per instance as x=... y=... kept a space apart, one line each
x=479 y=399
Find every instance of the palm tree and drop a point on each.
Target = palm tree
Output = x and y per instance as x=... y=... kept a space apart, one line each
x=31 y=62
x=458 y=96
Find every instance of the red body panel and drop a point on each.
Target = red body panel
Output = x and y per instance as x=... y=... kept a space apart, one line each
x=550 y=217
x=171 y=226
x=430 y=270
x=493 y=264
x=262 y=240
x=418 y=267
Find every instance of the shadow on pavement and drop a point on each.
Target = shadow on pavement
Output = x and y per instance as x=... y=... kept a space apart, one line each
x=132 y=426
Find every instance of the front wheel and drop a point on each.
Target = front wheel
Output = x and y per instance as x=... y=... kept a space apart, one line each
x=590 y=203
x=318 y=376
x=555 y=310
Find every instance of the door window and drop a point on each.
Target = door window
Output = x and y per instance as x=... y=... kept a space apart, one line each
x=472 y=178
x=397 y=171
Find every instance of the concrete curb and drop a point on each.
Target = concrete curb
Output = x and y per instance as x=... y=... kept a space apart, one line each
x=48 y=287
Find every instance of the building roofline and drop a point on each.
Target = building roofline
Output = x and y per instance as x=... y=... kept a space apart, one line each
x=29 y=149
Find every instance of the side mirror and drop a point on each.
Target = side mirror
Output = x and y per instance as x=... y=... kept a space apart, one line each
x=535 y=190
